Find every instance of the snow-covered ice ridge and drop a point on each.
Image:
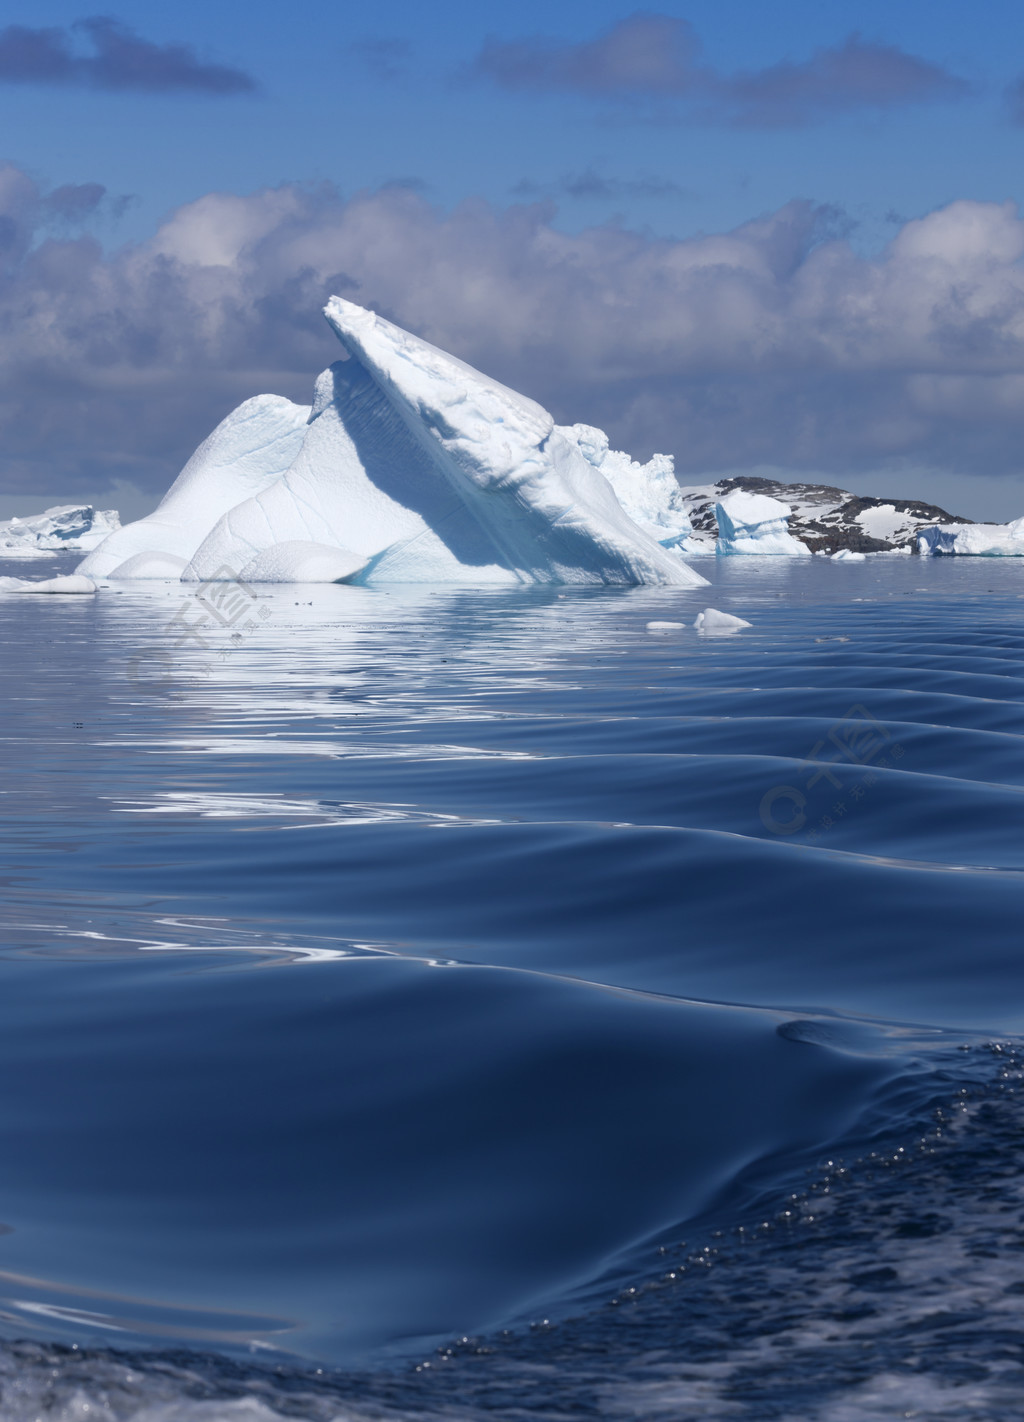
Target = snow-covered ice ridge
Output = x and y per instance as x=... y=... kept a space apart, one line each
x=823 y=518
x=409 y=466
x=67 y=526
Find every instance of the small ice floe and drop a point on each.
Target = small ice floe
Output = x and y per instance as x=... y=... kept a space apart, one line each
x=26 y=554
x=847 y=555
x=70 y=583
x=665 y=626
x=715 y=623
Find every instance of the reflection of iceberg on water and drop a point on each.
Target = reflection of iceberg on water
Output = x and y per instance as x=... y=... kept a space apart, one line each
x=755 y=523
x=409 y=467
x=991 y=540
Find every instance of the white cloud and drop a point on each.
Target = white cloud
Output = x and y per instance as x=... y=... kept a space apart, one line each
x=772 y=344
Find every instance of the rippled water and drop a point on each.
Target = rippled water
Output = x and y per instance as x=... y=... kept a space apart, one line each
x=387 y=969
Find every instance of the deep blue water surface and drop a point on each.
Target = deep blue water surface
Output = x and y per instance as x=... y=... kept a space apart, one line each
x=384 y=969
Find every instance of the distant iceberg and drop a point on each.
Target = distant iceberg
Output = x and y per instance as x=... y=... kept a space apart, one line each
x=67 y=526
x=755 y=523
x=409 y=467
x=991 y=540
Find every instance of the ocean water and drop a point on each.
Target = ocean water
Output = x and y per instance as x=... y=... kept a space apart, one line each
x=432 y=1001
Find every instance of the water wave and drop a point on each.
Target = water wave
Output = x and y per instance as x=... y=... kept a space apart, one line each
x=442 y=956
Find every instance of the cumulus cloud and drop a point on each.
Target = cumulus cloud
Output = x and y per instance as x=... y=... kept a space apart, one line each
x=102 y=53
x=773 y=344
x=650 y=56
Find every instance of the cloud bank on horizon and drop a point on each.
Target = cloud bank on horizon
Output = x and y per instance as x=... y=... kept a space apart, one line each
x=773 y=344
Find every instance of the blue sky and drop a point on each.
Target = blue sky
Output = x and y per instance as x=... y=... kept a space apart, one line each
x=868 y=114
x=325 y=112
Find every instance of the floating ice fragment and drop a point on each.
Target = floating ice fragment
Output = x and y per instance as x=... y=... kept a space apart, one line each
x=69 y=583
x=847 y=555
x=716 y=623
x=665 y=626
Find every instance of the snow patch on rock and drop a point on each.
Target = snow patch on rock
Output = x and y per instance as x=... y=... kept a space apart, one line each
x=822 y=516
x=886 y=522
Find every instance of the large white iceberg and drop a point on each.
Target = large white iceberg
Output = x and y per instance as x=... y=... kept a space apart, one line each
x=67 y=526
x=247 y=453
x=998 y=540
x=410 y=466
x=755 y=523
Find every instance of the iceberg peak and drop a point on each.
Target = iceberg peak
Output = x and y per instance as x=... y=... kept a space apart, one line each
x=409 y=466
